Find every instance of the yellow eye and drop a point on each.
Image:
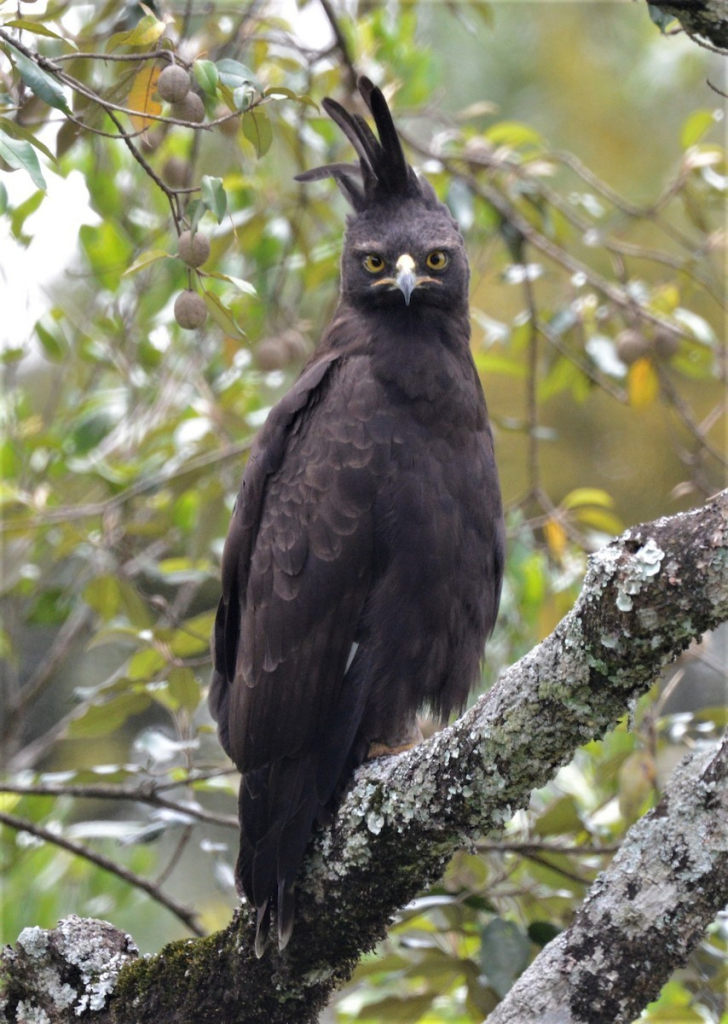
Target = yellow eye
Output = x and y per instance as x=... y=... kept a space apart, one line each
x=373 y=262
x=437 y=260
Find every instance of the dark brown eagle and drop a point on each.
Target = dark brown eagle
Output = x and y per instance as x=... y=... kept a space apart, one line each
x=362 y=569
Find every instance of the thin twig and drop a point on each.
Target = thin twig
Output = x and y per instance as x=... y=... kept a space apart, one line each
x=570 y=849
x=70 y=513
x=105 y=863
x=144 y=794
x=341 y=44
x=532 y=382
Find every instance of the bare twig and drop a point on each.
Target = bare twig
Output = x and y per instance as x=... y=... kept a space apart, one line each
x=145 y=793
x=182 y=913
x=70 y=513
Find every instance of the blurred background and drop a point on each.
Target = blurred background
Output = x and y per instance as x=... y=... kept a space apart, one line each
x=581 y=149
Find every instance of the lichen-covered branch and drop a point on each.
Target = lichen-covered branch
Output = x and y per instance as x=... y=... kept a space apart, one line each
x=643 y=915
x=705 y=19
x=645 y=597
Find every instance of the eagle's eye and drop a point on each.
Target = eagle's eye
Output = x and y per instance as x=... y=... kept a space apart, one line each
x=437 y=260
x=373 y=262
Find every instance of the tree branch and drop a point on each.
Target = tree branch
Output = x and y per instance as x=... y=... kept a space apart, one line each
x=645 y=597
x=643 y=915
x=707 y=19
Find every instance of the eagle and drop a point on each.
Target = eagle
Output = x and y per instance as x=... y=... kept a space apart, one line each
x=361 y=574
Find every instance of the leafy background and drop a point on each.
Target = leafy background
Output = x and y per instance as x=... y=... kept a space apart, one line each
x=580 y=149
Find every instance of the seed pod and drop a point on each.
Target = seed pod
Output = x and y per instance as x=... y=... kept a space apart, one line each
x=295 y=343
x=272 y=354
x=631 y=346
x=189 y=109
x=177 y=172
x=173 y=84
x=193 y=250
x=231 y=126
x=190 y=311
x=666 y=342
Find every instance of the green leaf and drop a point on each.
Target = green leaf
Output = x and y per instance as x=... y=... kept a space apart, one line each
x=222 y=316
x=40 y=82
x=195 y=212
x=695 y=127
x=244 y=286
x=26 y=25
x=102 y=719
x=214 y=196
x=107 y=250
x=146 y=32
x=54 y=344
x=396 y=1009
x=243 y=97
x=207 y=76
x=257 y=129
x=145 y=259
x=22 y=155
x=145 y=664
x=233 y=74
x=513 y=134
x=184 y=688
x=504 y=953
x=279 y=91
x=21 y=213
x=102 y=594
x=559 y=817
x=17 y=131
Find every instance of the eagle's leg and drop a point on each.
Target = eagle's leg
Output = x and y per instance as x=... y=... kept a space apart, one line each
x=408 y=736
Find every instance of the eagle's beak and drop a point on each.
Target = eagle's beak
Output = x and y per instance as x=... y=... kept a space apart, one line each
x=406 y=278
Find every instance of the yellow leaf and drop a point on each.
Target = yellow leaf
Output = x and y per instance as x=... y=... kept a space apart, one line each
x=555 y=536
x=144 y=260
x=642 y=384
x=587 y=496
x=140 y=96
x=8 y=801
x=145 y=33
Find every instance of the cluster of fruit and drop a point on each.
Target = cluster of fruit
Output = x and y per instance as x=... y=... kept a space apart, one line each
x=174 y=85
x=632 y=344
x=189 y=308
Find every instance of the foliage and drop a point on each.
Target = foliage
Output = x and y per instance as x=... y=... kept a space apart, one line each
x=124 y=436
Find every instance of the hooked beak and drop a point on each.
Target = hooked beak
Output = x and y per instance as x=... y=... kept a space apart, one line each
x=406 y=278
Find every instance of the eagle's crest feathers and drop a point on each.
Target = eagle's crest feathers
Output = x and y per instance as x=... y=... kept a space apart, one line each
x=384 y=171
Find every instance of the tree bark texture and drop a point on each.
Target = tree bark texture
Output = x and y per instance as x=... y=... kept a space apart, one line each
x=707 y=19
x=646 y=596
x=643 y=915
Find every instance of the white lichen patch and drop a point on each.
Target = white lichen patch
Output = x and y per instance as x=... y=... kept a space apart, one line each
x=375 y=822
x=612 y=641
x=94 y=951
x=25 y=1014
x=34 y=941
x=643 y=564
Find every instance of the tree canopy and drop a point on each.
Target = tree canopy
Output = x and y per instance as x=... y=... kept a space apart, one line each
x=579 y=146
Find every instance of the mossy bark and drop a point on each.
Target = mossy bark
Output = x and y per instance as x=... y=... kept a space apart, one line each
x=706 y=19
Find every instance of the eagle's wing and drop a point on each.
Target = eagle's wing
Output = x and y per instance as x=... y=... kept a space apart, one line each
x=287 y=691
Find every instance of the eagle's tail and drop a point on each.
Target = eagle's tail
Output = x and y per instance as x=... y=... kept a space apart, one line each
x=277 y=805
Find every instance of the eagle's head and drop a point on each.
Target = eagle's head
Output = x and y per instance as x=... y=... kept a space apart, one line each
x=402 y=246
